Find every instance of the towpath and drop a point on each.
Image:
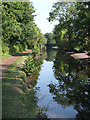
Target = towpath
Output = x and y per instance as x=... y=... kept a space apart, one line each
x=81 y=56
x=4 y=64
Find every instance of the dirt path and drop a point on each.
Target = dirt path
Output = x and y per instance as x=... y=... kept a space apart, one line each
x=81 y=56
x=4 y=64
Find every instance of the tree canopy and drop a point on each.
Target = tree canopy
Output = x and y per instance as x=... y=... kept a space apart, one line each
x=72 y=32
x=50 y=39
x=19 y=30
x=72 y=88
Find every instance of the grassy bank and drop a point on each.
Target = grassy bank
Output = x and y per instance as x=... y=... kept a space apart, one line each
x=6 y=55
x=18 y=100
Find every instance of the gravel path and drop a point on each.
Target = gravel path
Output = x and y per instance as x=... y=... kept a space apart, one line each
x=4 y=64
x=81 y=56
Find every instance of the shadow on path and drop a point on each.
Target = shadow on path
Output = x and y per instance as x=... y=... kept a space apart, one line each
x=4 y=64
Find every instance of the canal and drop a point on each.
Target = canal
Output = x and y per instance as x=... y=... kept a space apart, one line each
x=63 y=88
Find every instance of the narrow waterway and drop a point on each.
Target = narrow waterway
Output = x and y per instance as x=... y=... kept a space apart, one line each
x=63 y=88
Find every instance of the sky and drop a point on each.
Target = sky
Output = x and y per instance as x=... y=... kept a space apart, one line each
x=43 y=7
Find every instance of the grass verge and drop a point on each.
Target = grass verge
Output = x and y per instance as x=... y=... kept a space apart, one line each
x=17 y=100
x=6 y=55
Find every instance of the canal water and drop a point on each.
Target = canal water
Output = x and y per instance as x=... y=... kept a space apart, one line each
x=63 y=87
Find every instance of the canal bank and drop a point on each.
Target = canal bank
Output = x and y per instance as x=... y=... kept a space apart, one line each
x=21 y=101
x=63 y=86
x=60 y=86
x=84 y=57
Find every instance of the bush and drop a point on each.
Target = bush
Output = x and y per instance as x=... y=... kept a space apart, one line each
x=21 y=48
x=12 y=49
x=31 y=65
x=5 y=48
x=36 y=51
x=17 y=48
x=25 y=47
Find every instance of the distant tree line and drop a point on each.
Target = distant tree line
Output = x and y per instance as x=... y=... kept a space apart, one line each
x=19 y=31
x=72 y=31
x=50 y=39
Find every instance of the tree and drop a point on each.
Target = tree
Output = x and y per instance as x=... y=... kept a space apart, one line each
x=50 y=39
x=72 y=88
x=19 y=30
x=73 y=28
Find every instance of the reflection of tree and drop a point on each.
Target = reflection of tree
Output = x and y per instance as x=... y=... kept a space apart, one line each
x=51 y=54
x=32 y=79
x=72 y=87
x=18 y=100
x=44 y=54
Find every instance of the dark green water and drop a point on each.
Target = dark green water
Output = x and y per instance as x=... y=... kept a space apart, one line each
x=63 y=84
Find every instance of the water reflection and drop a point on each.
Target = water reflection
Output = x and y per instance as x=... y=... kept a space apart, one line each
x=51 y=54
x=46 y=102
x=20 y=101
x=63 y=87
x=72 y=88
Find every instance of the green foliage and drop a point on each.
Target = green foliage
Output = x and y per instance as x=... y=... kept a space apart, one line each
x=72 y=88
x=50 y=39
x=18 y=100
x=5 y=48
x=31 y=65
x=19 y=31
x=36 y=51
x=51 y=54
x=12 y=49
x=74 y=20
